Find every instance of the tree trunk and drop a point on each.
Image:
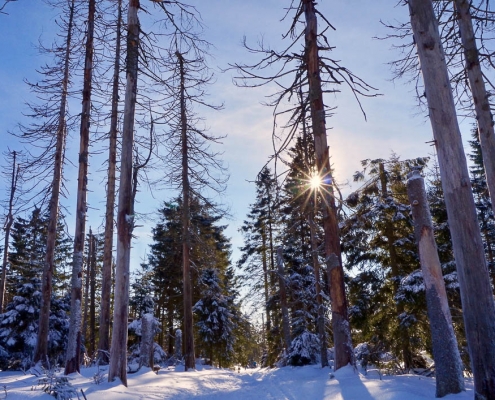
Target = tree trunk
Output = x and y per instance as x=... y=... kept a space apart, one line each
x=476 y=293
x=106 y=272
x=340 y=320
x=189 y=357
x=41 y=350
x=448 y=364
x=125 y=219
x=484 y=117
x=283 y=298
x=146 y=358
x=8 y=225
x=72 y=358
x=265 y=280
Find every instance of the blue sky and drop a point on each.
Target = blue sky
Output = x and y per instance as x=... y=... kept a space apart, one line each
x=394 y=123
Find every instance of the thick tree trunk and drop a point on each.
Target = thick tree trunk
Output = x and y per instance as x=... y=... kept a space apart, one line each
x=476 y=293
x=125 y=219
x=283 y=298
x=106 y=272
x=340 y=320
x=41 y=350
x=146 y=358
x=8 y=225
x=484 y=117
x=448 y=364
x=72 y=358
x=189 y=357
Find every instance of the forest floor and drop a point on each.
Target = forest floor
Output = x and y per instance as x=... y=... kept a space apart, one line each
x=206 y=383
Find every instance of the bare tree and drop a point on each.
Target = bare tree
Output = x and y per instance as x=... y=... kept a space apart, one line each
x=476 y=292
x=9 y=220
x=72 y=358
x=448 y=364
x=106 y=284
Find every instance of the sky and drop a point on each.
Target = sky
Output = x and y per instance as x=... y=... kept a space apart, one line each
x=394 y=123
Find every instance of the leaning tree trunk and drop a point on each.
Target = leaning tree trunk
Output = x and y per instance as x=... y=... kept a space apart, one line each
x=283 y=298
x=448 y=364
x=72 y=358
x=481 y=101
x=189 y=357
x=106 y=270
x=474 y=282
x=340 y=320
x=8 y=225
x=41 y=350
x=118 y=350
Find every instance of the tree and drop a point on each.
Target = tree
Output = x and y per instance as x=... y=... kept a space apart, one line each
x=72 y=358
x=106 y=287
x=448 y=365
x=215 y=319
x=476 y=292
x=8 y=223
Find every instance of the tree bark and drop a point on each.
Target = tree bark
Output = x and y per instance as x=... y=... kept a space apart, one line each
x=283 y=298
x=86 y=289
x=146 y=358
x=41 y=350
x=484 y=117
x=8 y=225
x=189 y=357
x=448 y=364
x=92 y=299
x=340 y=320
x=476 y=293
x=72 y=359
x=106 y=272
x=118 y=352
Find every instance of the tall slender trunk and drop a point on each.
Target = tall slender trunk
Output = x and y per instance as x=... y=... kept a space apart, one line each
x=481 y=101
x=72 y=358
x=265 y=280
x=448 y=364
x=340 y=321
x=283 y=298
x=106 y=271
x=405 y=344
x=476 y=292
x=189 y=357
x=125 y=219
x=86 y=289
x=8 y=225
x=41 y=350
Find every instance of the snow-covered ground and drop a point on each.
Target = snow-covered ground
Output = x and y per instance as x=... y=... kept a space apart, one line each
x=305 y=383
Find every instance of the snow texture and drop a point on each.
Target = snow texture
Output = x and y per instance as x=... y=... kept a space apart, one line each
x=206 y=383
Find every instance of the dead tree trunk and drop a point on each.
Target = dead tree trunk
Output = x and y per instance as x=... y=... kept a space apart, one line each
x=283 y=298
x=189 y=357
x=340 y=320
x=8 y=225
x=106 y=272
x=476 y=293
x=484 y=117
x=125 y=223
x=41 y=351
x=72 y=358
x=86 y=289
x=146 y=358
x=448 y=364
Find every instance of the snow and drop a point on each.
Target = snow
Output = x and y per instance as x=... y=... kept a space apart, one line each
x=206 y=383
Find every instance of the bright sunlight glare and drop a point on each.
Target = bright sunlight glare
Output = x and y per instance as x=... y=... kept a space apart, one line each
x=315 y=182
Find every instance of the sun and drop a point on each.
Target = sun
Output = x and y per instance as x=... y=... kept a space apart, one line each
x=315 y=182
